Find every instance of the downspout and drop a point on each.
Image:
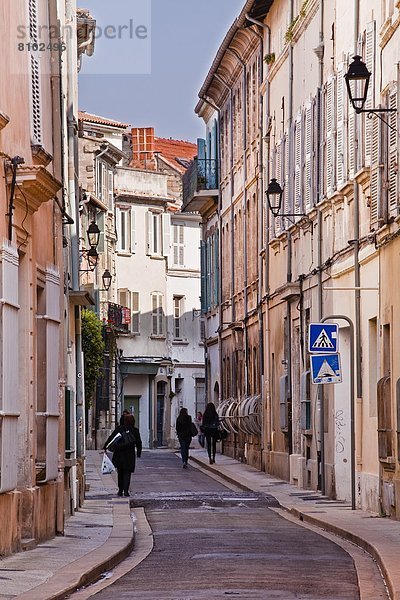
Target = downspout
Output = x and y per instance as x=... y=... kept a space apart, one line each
x=357 y=273
x=289 y=256
x=320 y=393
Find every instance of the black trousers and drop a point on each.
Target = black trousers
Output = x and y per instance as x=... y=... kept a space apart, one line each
x=124 y=480
x=211 y=439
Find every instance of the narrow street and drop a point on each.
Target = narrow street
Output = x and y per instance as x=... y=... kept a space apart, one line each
x=213 y=542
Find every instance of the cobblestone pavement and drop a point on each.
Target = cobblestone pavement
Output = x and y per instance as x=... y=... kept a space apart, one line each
x=215 y=542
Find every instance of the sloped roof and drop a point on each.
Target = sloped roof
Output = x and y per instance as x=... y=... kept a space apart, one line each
x=177 y=152
x=90 y=118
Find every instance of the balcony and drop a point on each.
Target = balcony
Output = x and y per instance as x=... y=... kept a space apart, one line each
x=200 y=185
x=119 y=317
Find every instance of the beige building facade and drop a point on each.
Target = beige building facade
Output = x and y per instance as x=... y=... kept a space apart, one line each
x=328 y=251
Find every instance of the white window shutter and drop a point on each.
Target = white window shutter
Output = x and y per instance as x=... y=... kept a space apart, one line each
x=166 y=233
x=149 y=232
x=160 y=314
x=135 y=320
x=369 y=59
x=104 y=183
x=375 y=173
x=35 y=78
x=52 y=357
x=341 y=170
x=298 y=165
x=133 y=231
x=393 y=155
x=110 y=189
x=118 y=226
x=330 y=135
x=181 y=245
x=278 y=176
x=308 y=132
x=9 y=377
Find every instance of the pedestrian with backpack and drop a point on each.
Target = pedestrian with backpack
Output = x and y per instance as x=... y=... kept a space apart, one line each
x=125 y=442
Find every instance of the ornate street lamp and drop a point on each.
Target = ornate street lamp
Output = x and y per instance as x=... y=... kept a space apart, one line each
x=92 y=257
x=274 y=195
x=357 y=82
x=93 y=234
x=107 y=278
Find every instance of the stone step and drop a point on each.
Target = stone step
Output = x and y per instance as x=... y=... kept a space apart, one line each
x=28 y=544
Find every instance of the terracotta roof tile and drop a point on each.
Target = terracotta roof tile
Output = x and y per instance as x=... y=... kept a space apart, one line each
x=90 y=118
x=177 y=152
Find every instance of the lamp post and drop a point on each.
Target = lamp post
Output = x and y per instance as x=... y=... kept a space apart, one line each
x=93 y=234
x=274 y=195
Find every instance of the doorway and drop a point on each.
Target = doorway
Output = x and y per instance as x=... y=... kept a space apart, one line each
x=160 y=412
x=132 y=404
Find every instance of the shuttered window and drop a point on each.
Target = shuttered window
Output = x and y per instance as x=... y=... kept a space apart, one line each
x=178 y=310
x=369 y=59
x=135 y=311
x=126 y=230
x=9 y=409
x=341 y=133
x=298 y=165
x=178 y=245
x=277 y=170
x=375 y=173
x=36 y=101
x=157 y=313
x=308 y=155
x=393 y=152
x=330 y=136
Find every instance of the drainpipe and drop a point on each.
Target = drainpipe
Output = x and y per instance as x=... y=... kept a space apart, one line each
x=357 y=274
x=319 y=51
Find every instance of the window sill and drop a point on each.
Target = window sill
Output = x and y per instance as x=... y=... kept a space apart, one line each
x=180 y=343
x=157 y=337
x=124 y=253
x=156 y=257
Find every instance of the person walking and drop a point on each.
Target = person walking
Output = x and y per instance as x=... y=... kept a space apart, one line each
x=210 y=428
x=199 y=424
x=124 y=453
x=184 y=433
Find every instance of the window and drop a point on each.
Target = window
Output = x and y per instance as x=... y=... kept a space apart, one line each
x=126 y=230
x=178 y=310
x=157 y=313
x=9 y=317
x=104 y=183
x=153 y=221
x=135 y=321
x=178 y=245
x=36 y=117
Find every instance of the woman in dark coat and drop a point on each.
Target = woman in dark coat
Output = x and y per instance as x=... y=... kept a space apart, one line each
x=184 y=433
x=124 y=457
x=210 y=428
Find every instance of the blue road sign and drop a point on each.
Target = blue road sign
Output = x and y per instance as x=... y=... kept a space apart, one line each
x=326 y=368
x=323 y=337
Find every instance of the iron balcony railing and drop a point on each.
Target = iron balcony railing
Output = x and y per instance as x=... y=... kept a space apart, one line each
x=119 y=317
x=201 y=175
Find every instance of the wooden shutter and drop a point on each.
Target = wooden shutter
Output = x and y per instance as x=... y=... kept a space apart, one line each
x=133 y=231
x=369 y=59
x=166 y=233
x=9 y=376
x=104 y=183
x=277 y=159
x=375 y=172
x=149 y=232
x=393 y=162
x=341 y=170
x=110 y=189
x=203 y=275
x=36 y=100
x=298 y=165
x=308 y=148
x=135 y=312
x=330 y=135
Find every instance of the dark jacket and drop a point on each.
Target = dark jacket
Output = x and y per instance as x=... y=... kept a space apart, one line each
x=125 y=458
x=184 y=427
x=210 y=424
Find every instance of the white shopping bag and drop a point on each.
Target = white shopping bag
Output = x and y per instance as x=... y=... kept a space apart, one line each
x=106 y=466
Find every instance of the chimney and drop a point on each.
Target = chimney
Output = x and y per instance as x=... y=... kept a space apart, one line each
x=143 y=147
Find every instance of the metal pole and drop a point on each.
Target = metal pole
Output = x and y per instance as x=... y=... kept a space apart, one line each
x=352 y=407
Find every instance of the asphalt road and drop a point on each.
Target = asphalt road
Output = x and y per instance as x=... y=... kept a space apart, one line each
x=211 y=542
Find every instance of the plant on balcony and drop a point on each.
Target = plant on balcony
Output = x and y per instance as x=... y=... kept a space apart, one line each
x=269 y=59
x=93 y=352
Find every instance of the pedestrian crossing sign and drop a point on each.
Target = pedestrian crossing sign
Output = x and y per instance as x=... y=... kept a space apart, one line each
x=323 y=337
x=326 y=368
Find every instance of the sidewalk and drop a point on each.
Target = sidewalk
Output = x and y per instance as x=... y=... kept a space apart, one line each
x=380 y=537
x=97 y=537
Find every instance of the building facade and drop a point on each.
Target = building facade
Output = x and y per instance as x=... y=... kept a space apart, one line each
x=161 y=360
x=38 y=406
x=326 y=251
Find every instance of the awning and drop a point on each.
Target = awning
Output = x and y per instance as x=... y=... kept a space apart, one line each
x=139 y=368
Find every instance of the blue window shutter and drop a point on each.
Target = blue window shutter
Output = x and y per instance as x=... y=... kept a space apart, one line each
x=203 y=276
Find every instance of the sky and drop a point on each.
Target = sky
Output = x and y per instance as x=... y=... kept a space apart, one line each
x=161 y=51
